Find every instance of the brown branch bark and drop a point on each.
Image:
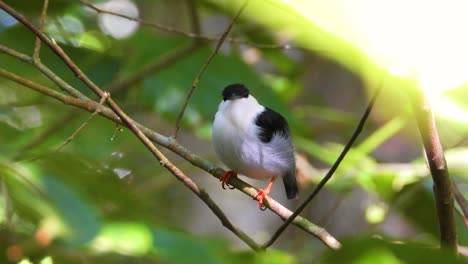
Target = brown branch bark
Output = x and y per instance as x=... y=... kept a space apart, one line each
x=180 y=150
x=461 y=202
x=203 y=69
x=37 y=44
x=162 y=63
x=195 y=35
x=438 y=167
x=329 y=174
x=139 y=131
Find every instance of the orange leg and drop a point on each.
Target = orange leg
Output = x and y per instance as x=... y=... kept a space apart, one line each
x=225 y=178
x=262 y=193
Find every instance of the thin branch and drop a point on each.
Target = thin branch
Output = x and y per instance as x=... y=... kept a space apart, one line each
x=202 y=70
x=435 y=159
x=54 y=47
x=180 y=150
x=50 y=130
x=37 y=44
x=461 y=202
x=193 y=35
x=161 y=63
x=46 y=71
x=194 y=17
x=121 y=116
x=330 y=173
x=169 y=143
x=84 y=124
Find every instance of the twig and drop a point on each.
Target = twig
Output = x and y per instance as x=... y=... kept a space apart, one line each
x=202 y=70
x=165 y=162
x=437 y=165
x=37 y=44
x=180 y=150
x=106 y=112
x=169 y=143
x=193 y=35
x=85 y=123
x=330 y=173
x=461 y=202
x=54 y=47
x=163 y=62
x=50 y=130
x=46 y=71
x=128 y=122
x=194 y=17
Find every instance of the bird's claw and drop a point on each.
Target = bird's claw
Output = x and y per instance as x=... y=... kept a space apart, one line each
x=259 y=197
x=225 y=178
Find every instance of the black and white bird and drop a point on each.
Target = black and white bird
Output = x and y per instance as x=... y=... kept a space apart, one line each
x=254 y=141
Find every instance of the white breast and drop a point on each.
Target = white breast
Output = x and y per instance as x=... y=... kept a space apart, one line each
x=236 y=142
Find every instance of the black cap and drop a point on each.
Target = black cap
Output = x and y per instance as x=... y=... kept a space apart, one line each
x=235 y=91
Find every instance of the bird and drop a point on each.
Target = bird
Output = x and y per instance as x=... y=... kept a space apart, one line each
x=253 y=140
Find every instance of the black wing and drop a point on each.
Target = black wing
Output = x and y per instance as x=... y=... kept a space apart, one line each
x=271 y=123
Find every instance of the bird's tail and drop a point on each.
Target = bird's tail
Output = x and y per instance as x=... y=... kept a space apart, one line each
x=290 y=185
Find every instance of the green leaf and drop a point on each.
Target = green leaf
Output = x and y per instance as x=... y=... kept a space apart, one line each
x=409 y=200
x=371 y=250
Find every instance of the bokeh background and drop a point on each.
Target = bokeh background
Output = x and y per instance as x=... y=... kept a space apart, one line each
x=103 y=198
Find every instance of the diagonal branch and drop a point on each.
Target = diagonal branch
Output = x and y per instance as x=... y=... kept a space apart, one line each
x=461 y=202
x=54 y=47
x=85 y=123
x=330 y=173
x=435 y=159
x=95 y=107
x=37 y=44
x=202 y=70
x=46 y=71
x=163 y=62
x=169 y=143
x=123 y=118
x=194 y=34
x=180 y=150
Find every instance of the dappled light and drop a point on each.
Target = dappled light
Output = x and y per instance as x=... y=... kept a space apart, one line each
x=107 y=151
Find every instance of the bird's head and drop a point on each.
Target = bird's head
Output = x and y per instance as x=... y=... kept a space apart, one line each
x=235 y=91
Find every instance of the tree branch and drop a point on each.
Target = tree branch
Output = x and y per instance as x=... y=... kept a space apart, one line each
x=202 y=70
x=461 y=202
x=37 y=44
x=436 y=161
x=162 y=62
x=84 y=124
x=46 y=71
x=180 y=150
x=193 y=35
x=330 y=173
x=141 y=131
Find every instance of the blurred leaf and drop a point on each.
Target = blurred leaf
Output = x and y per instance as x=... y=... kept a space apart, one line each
x=371 y=250
x=80 y=217
x=124 y=238
x=33 y=8
x=182 y=248
x=375 y=213
x=98 y=187
x=410 y=200
x=23 y=186
x=385 y=132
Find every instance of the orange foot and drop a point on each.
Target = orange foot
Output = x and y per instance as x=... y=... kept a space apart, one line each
x=262 y=193
x=225 y=178
x=259 y=197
